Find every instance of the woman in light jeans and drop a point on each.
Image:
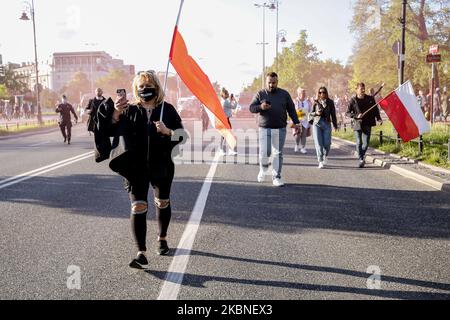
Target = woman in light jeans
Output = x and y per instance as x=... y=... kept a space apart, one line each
x=324 y=113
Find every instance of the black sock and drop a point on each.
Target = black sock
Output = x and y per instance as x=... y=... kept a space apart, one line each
x=163 y=216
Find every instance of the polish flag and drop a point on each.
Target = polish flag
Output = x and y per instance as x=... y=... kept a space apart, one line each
x=403 y=110
x=200 y=85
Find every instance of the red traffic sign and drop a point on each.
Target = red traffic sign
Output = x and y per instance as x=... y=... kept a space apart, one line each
x=434 y=49
x=433 y=58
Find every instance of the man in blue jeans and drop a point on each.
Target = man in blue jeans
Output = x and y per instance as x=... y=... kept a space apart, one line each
x=273 y=104
x=363 y=119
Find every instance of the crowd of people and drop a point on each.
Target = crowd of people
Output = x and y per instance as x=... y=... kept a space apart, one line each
x=15 y=111
x=440 y=104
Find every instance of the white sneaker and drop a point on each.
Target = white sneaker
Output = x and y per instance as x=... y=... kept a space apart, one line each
x=296 y=148
x=325 y=161
x=232 y=153
x=222 y=153
x=278 y=182
x=261 y=176
x=304 y=151
x=321 y=165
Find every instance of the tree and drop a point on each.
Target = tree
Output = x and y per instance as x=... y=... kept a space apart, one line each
x=373 y=59
x=115 y=79
x=13 y=84
x=76 y=87
x=4 y=92
x=300 y=66
x=48 y=98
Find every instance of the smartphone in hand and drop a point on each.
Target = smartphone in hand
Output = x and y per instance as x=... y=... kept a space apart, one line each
x=122 y=93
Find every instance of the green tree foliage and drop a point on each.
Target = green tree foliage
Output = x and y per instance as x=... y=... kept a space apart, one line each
x=3 y=92
x=300 y=66
x=377 y=25
x=13 y=85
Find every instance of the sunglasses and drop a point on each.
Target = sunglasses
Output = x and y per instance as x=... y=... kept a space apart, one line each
x=320 y=92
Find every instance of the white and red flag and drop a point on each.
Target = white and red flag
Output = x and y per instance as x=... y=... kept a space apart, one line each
x=403 y=109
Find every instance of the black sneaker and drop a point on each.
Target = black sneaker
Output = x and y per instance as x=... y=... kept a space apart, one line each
x=362 y=163
x=139 y=261
x=163 y=248
x=68 y=142
x=65 y=139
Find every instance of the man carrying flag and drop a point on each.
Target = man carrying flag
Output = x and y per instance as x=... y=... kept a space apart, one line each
x=364 y=113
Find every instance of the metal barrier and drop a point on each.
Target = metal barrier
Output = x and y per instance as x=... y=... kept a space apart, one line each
x=382 y=137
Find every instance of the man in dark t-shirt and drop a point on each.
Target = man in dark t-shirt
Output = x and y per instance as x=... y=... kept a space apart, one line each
x=364 y=113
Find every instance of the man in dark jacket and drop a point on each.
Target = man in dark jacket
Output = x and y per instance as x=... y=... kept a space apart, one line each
x=273 y=104
x=364 y=113
x=92 y=107
x=64 y=109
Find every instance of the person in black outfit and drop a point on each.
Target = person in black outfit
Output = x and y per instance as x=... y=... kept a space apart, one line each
x=64 y=109
x=363 y=122
x=92 y=108
x=143 y=155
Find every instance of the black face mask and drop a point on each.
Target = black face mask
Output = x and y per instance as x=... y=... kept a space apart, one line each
x=147 y=94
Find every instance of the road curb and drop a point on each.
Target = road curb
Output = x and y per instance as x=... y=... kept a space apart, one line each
x=350 y=147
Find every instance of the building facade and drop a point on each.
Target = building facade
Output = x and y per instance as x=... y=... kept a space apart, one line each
x=26 y=73
x=95 y=64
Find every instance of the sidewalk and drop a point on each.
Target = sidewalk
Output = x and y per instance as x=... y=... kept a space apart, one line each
x=435 y=177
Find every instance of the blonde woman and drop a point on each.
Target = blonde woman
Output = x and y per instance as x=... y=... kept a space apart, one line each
x=146 y=159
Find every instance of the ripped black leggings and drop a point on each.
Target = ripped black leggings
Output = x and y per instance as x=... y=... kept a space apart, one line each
x=138 y=192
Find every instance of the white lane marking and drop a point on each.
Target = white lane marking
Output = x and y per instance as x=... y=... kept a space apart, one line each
x=175 y=274
x=30 y=174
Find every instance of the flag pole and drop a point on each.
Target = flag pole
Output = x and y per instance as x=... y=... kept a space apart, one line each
x=168 y=61
x=378 y=102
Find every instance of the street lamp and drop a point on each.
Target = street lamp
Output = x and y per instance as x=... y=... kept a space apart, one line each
x=280 y=34
x=263 y=43
x=24 y=17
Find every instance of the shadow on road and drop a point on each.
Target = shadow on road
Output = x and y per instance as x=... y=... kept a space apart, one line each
x=293 y=209
x=199 y=281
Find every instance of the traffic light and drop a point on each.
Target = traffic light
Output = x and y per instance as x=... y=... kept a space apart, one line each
x=2 y=71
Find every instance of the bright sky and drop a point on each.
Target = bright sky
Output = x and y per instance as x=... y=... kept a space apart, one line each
x=221 y=35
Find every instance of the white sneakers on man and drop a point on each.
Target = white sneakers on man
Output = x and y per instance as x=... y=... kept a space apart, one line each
x=261 y=176
x=232 y=152
x=296 y=148
x=321 y=165
x=278 y=182
x=303 y=151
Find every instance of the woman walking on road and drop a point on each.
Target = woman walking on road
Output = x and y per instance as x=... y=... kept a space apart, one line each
x=228 y=104
x=324 y=113
x=144 y=156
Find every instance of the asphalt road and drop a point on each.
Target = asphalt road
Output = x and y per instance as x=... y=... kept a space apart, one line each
x=316 y=238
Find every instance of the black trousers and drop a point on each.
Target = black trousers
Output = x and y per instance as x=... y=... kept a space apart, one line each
x=63 y=127
x=138 y=192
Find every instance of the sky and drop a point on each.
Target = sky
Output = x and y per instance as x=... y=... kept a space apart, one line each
x=221 y=35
